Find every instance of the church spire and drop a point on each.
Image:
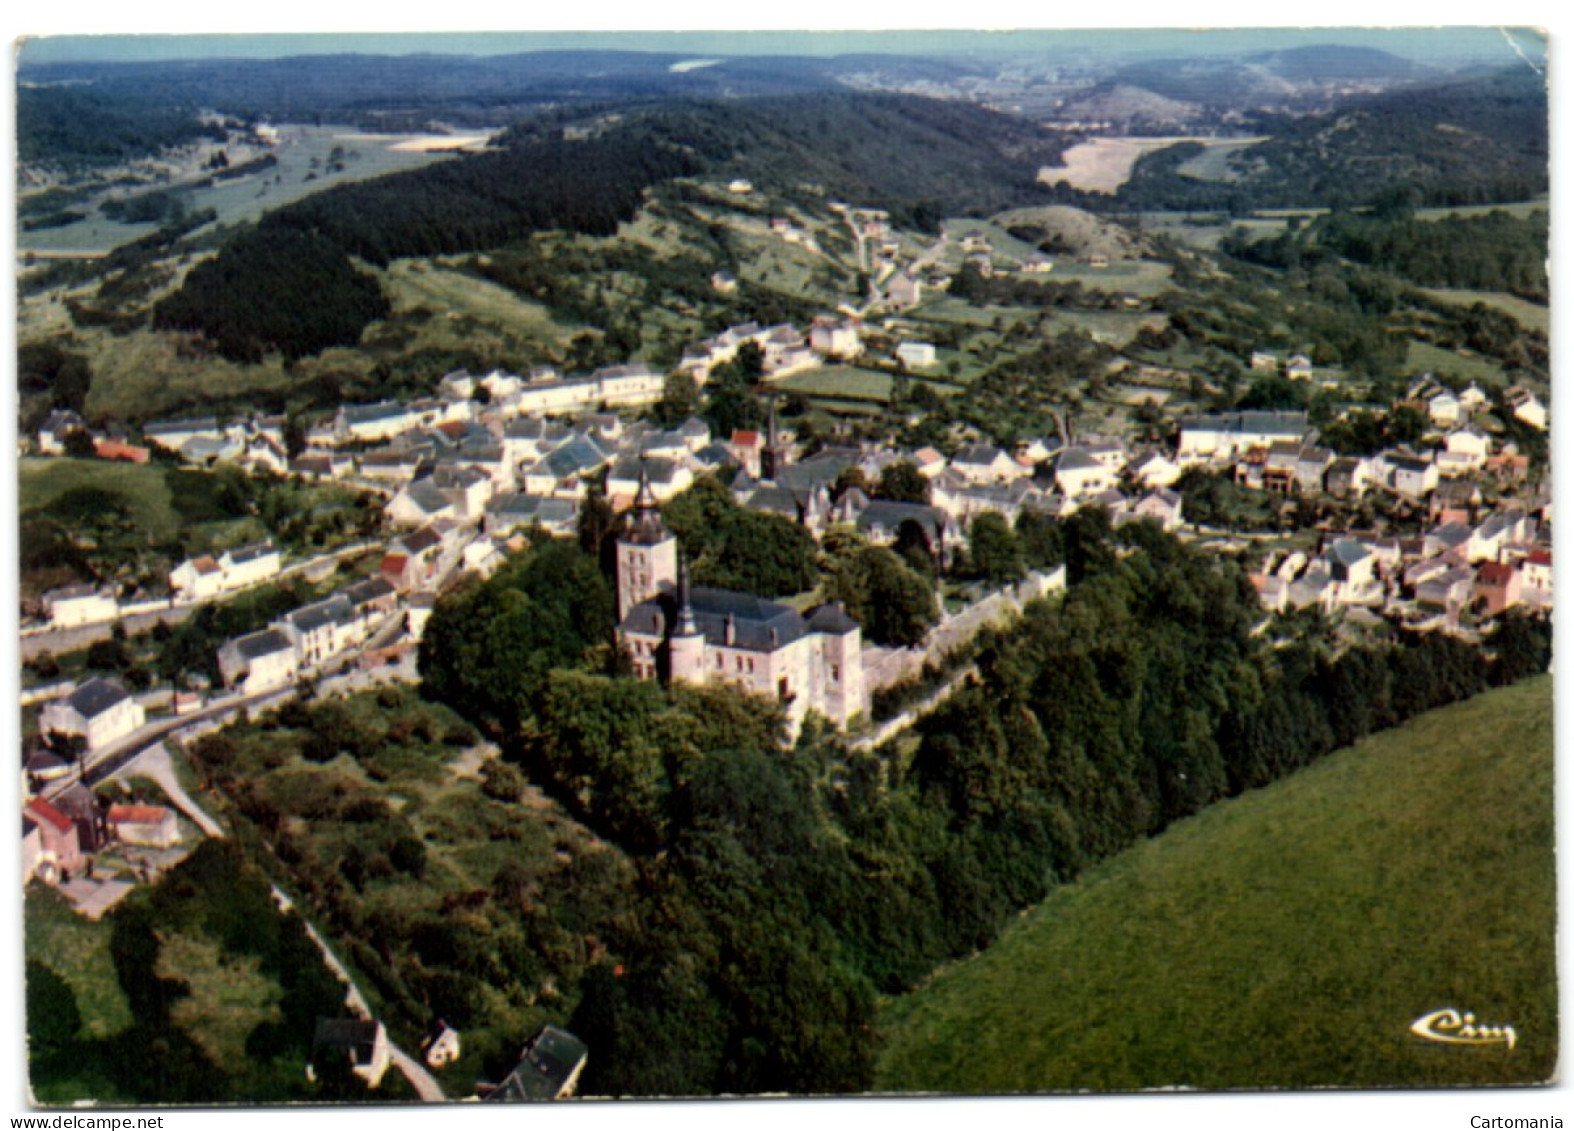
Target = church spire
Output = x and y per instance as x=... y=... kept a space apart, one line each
x=773 y=455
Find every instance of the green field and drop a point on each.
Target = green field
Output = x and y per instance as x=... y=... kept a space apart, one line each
x=1519 y=210
x=466 y=306
x=1115 y=327
x=1287 y=938
x=839 y=381
x=1531 y=315
x=1425 y=357
x=1212 y=164
x=145 y=487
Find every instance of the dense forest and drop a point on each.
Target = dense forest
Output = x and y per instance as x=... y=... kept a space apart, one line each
x=75 y=127
x=1496 y=252
x=275 y=288
x=923 y=159
x=779 y=890
x=878 y=149
x=1473 y=141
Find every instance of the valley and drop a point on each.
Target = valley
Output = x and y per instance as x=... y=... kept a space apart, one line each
x=791 y=574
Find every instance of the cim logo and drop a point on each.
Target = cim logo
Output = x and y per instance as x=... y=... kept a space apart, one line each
x=1450 y=1027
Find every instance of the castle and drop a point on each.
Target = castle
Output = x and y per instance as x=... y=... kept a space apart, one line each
x=675 y=631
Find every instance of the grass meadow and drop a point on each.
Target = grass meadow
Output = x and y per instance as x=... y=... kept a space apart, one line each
x=1288 y=938
x=1530 y=315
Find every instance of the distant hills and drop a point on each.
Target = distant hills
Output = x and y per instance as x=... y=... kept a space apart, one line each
x=920 y=158
x=1474 y=140
x=411 y=92
x=1271 y=78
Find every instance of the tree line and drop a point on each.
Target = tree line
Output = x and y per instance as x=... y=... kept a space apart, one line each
x=780 y=889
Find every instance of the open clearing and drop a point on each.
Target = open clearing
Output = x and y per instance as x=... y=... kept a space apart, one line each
x=839 y=381
x=1213 y=163
x=1424 y=357
x=1286 y=938
x=310 y=159
x=1520 y=210
x=1531 y=315
x=1103 y=164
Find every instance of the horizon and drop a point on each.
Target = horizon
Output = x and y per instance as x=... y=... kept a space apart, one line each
x=1452 y=45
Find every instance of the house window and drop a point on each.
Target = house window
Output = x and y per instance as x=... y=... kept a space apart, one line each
x=782 y=690
x=836 y=673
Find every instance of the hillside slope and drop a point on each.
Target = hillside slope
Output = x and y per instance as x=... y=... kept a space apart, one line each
x=1288 y=938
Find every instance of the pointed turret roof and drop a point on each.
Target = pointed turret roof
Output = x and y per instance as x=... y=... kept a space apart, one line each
x=687 y=625
x=645 y=527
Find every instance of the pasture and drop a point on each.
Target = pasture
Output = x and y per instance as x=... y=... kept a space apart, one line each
x=1288 y=938
x=1424 y=357
x=1103 y=164
x=1213 y=163
x=1530 y=315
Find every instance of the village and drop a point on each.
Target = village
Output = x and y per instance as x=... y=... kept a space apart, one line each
x=644 y=574
x=466 y=474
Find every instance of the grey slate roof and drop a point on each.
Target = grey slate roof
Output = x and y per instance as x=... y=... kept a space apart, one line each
x=96 y=696
x=758 y=625
x=545 y=1066
x=883 y=514
x=365 y=592
x=268 y=642
x=832 y=620
x=165 y=427
x=370 y=413
x=243 y=554
x=315 y=616
x=1077 y=459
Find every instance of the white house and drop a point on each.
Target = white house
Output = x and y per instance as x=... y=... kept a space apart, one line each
x=835 y=339
x=56 y=427
x=172 y=435
x=1162 y=505
x=204 y=577
x=261 y=661
x=101 y=711
x=1470 y=443
x=916 y=355
x=381 y=421
x=1536 y=577
x=1155 y=470
x=1413 y=477
x=1444 y=410
x=1079 y=474
x=1215 y=437
x=74 y=605
x=985 y=463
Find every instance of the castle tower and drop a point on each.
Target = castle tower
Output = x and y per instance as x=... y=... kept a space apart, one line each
x=686 y=645
x=841 y=694
x=647 y=551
